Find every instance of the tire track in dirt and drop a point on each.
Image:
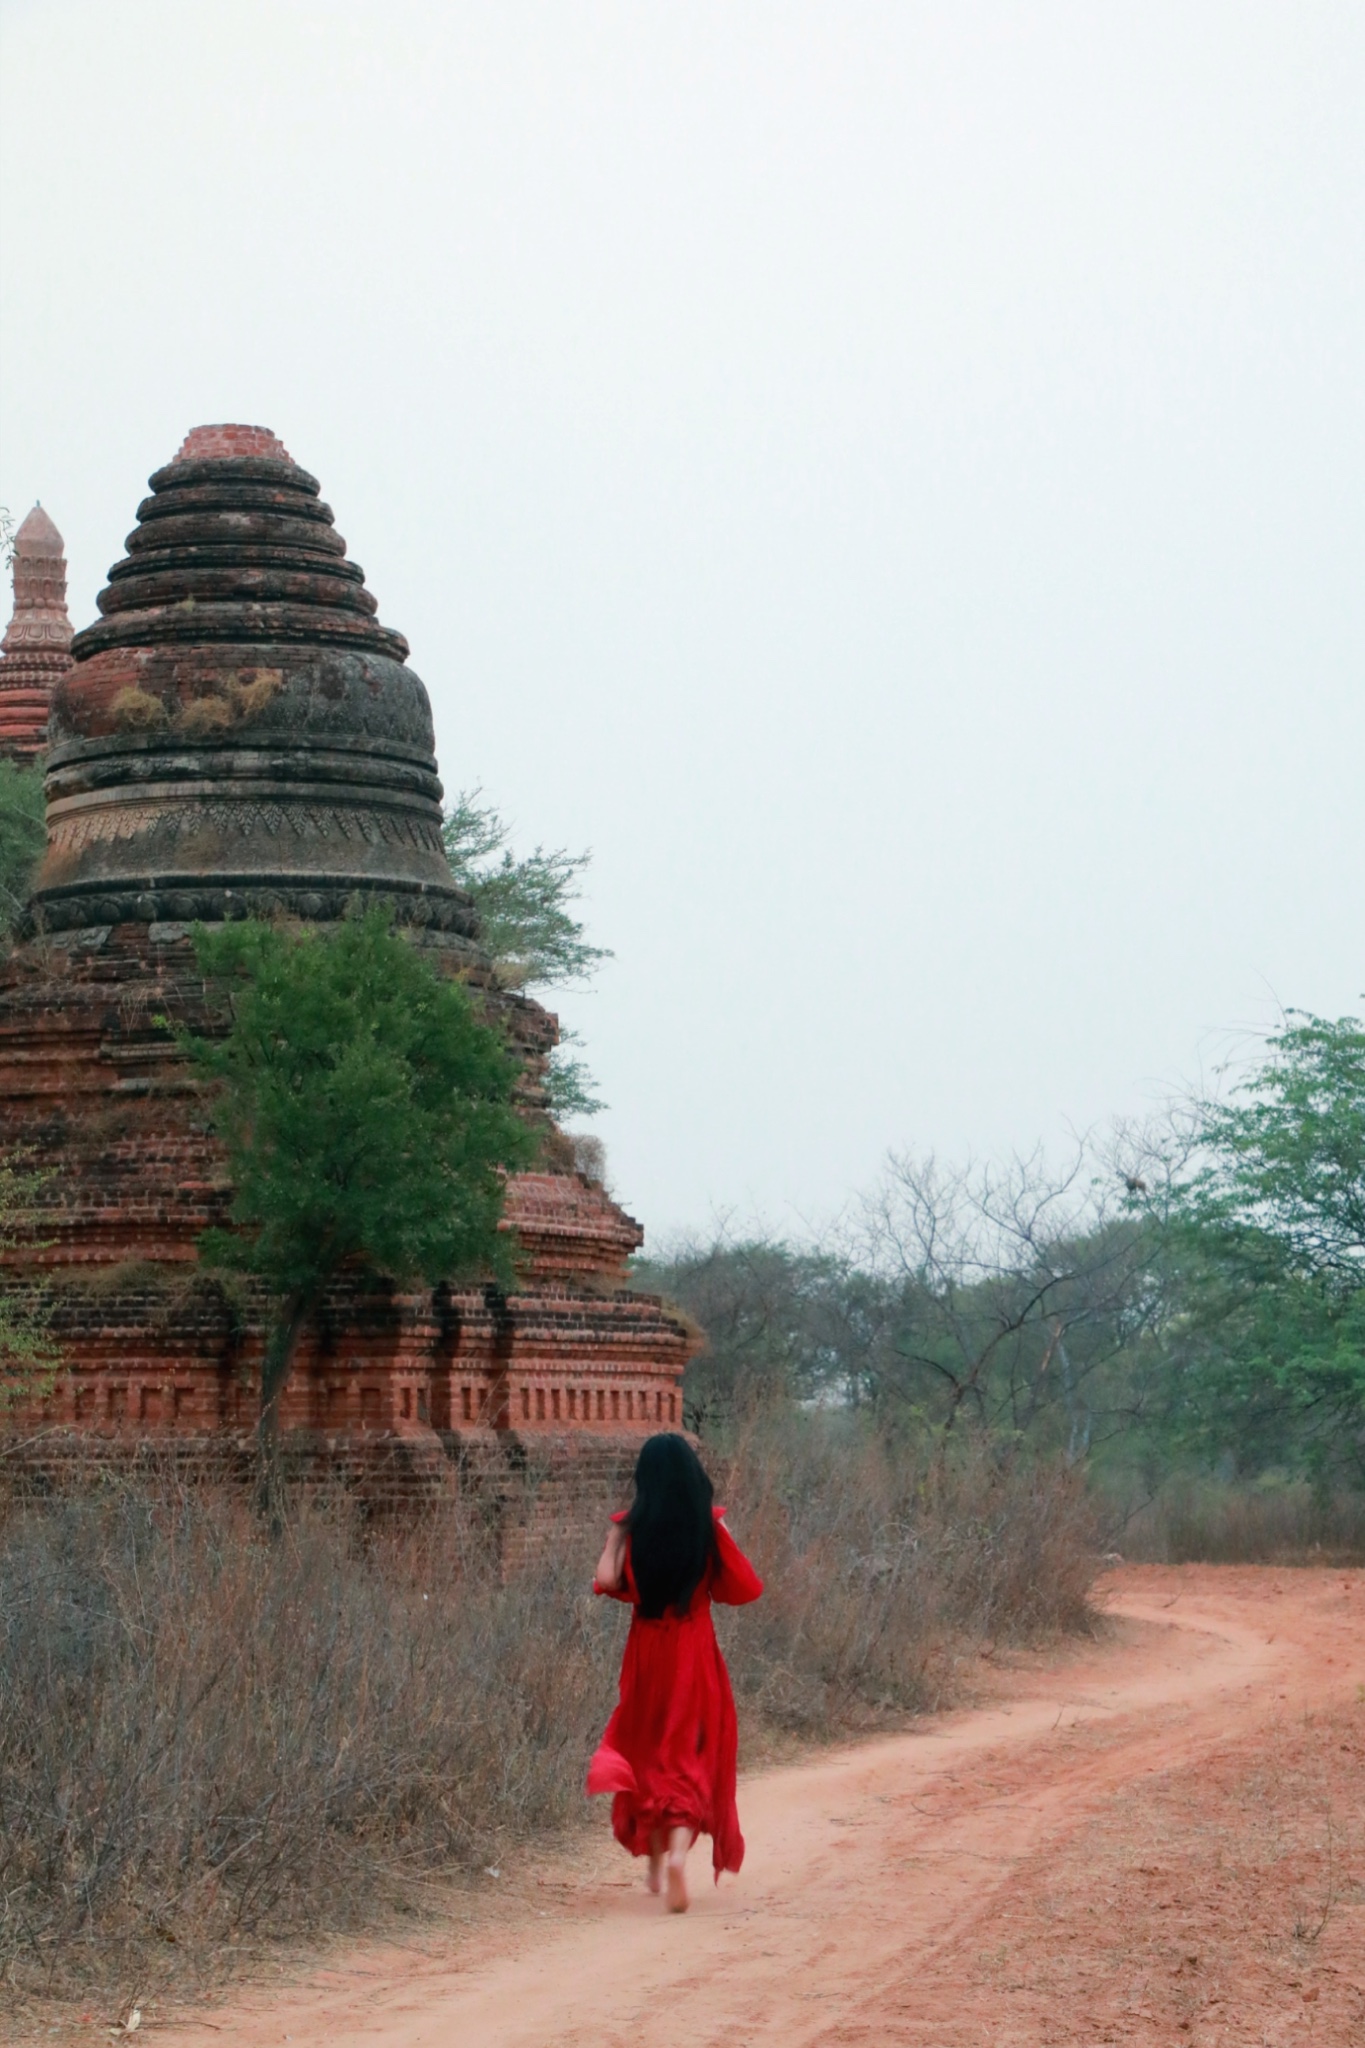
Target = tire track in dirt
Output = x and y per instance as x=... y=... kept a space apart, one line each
x=863 y=1864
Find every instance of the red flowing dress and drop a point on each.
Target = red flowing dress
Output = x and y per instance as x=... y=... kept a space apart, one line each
x=668 y=1754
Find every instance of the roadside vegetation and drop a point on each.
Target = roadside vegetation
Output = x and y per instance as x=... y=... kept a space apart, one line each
x=214 y=1740
x=222 y=1729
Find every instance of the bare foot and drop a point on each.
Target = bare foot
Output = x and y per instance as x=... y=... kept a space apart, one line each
x=677 y=1883
x=655 y=1879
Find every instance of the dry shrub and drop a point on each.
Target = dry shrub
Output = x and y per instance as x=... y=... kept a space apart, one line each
x=880 y=1562
x=206 y=1735
x=204 y=715
x=211 y=1738
x=1208 y=1522
x=250 y=699
x=136 y=710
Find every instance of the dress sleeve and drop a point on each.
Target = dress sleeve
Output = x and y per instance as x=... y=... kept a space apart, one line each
x=734 y=1582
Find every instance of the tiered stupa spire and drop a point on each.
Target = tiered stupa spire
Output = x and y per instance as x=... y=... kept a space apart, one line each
x=36 y=651
x=238 y=732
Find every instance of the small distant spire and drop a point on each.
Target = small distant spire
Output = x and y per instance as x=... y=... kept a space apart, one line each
x=36 y=650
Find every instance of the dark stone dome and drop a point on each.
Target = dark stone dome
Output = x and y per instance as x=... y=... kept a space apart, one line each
x=238 y=732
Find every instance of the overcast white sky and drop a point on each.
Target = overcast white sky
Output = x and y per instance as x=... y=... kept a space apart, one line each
x=888 y=478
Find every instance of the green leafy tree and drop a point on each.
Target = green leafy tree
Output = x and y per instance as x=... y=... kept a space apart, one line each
x=524 y=905
x=368 y=1117
x=22 y=837
x=1269 y=1230
x=528 y=926
x=780 y=1322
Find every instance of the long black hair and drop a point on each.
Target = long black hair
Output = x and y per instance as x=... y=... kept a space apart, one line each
x=672 y=1533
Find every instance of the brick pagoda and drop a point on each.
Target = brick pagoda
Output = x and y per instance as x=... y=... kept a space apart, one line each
x=36 y=651
x=238 y=734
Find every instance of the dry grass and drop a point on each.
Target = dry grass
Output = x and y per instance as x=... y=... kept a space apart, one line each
x=208 y=1736
x=209 y=1739
x=1205 y=1522
x=880 y=1567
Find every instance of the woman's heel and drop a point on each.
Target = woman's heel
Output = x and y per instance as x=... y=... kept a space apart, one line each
x=679 y=1842
x=677 y=1883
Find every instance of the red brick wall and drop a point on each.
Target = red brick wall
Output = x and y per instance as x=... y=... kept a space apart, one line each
x=92 y=1084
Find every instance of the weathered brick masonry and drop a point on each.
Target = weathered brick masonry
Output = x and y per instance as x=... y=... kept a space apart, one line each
x=238 y=733
x=36 y=650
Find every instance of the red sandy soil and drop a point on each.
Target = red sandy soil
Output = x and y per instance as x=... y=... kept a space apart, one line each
x=1158 y=1838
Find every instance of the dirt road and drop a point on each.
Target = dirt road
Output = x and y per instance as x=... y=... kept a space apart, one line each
x=1158 y=1838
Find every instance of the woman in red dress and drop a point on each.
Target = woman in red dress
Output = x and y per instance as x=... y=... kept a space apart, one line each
x=668 y=1755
